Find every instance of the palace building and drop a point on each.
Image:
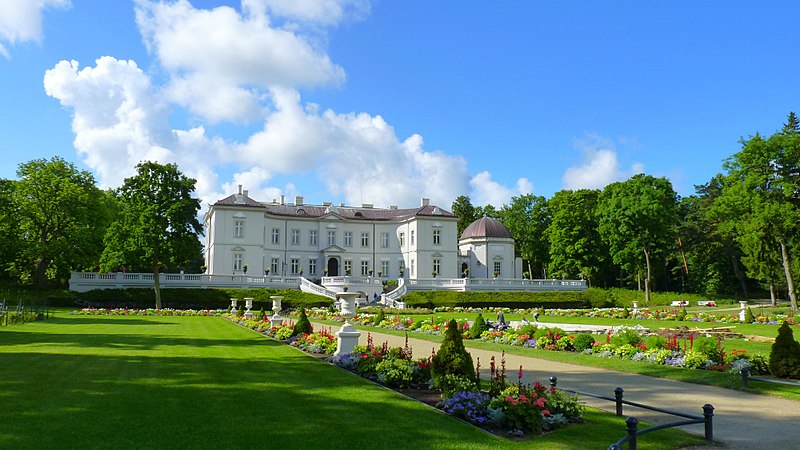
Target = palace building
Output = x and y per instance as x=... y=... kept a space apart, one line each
x=245 y=236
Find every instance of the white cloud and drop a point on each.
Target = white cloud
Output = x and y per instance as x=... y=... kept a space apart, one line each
x=21 y=20
x=599 y=167
x=221 y=61
x=119 y=121
x=325 y=12
x=486 y=191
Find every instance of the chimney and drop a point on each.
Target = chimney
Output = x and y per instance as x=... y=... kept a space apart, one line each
x=298 y=200
x=425 y=201
x=392 y=206
x=283 y=199
x=240 y=188
x=244 y=192
x=327 y=203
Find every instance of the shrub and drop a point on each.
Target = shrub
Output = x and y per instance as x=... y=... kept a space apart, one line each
x=749 y=317
x=303 y=326
x=260 y=316
x=583 y=342
x=682 y=315
x=452 y=357
x=694 y=359
x=655 y=342
x=379 y=318
x=710 y=347
x=784 y=359
x=395 y=373
x=451 y=384
x=626 y=336
x=478 y=327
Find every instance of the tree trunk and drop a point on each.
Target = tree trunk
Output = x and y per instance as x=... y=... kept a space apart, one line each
x=647 y=278
x=788 y=271
x=157 y=287
x=773 y=302
x=739 y=275
x=41 y=272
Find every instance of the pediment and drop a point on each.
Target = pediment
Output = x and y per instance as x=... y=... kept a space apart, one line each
x=333 y=249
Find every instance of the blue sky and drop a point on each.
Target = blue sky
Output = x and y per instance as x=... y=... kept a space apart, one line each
x=385 y=102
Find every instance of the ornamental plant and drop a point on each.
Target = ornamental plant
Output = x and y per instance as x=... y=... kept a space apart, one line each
x=478 y=327
x=380 y=317
x=303 y=325
x=583 y=342
x=749 y=317
x=784 y=358
x=452 y=357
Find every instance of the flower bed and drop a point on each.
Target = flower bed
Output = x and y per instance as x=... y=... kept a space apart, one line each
x=147 y=312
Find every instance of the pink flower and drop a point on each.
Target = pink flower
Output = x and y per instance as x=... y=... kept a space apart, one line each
x=546 y=412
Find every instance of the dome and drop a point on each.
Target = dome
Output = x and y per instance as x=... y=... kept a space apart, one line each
x=486 y=227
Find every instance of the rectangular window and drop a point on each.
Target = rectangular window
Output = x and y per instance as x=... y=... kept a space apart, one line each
x=348 y=238
x=312 y=266
x=384 y=268
x=497 y=265
x=364 y=268
x=437 y=237
x=237 y=261
x=295 y=266
x=348 y=267
x=238 y=228
x=276 y=232
x=412 y=237
x=331 y=237
x=312 y=238
x=437 y=266
x=365 y=239
x=295 y=237
x=273 y=266
x=411 y=271
x=384 y=240
x=402 y=239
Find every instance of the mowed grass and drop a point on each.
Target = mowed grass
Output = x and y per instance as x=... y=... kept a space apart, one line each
x=201 y=382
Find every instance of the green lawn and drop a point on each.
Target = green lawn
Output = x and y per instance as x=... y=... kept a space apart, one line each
x=202 y=382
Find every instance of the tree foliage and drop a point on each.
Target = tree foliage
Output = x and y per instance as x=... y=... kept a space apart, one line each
x=784 y=357
x=60 y=216
x=157 y=224
x=637 y=220
x=527 y=218
x=576 y=249
x=462 y=207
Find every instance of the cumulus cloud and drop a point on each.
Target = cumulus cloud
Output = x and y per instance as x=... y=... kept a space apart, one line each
x=21 y=20
x=227 y=65
x=119 y=121
x=599 y=166
x=221 y=60
x=486 y=191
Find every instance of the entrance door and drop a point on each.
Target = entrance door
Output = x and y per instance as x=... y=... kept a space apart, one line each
x=333 y=267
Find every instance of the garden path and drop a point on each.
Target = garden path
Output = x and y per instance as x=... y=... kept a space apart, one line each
x=741 y=421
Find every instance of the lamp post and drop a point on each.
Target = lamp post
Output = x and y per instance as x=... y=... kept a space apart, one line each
x=347 y=336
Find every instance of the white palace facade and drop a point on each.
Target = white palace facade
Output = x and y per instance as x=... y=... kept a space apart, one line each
x=244 y=236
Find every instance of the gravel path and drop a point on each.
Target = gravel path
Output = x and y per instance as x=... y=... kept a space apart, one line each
x=741 y=420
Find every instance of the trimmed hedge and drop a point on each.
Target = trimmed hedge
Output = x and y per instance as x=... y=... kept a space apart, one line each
x=173 y=298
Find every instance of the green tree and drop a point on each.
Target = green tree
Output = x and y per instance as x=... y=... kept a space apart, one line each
x=157 y=224
x=463 y=209
x=61 y=219
x=784 y=357
x=576 y=249
x=637 y=219
x=452 y=357
x=762 y=189
x=9 y=236
x=527 y=218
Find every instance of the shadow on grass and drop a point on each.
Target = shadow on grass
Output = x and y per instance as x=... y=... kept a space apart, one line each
x=132 y=341
x=77 y=320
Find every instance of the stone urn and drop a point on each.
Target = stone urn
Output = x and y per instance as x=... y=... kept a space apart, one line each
x=233 y=304
x=248 y=303
x=276 y=318
x=743 y=311
x=347 y=334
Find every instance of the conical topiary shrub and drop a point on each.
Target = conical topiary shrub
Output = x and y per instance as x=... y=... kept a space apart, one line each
x=749 y=317
x=452 y=357
x=784 y=359
x=260 y=316
x=379 y=318
x=303 y=326
x=478 y=327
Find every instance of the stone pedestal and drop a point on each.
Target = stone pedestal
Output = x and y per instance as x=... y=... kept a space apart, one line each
x=276 y=318
x=347 y=336
x=234 y=301
x=743 y=311
x=635 y=307
x=248 y=303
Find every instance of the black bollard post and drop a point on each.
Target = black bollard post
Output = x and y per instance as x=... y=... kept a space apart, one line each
x=632 y=424
x=746 y=378
x=553 y=382
x=618 y=396
x=708 y=413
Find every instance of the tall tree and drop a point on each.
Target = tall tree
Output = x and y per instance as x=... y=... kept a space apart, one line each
x=157 y=224
x=61 y=218
x=762 y=185
x=637 y=219
x=463 y=209
x=527 y=218
x=576 y=249
x=9 y=236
